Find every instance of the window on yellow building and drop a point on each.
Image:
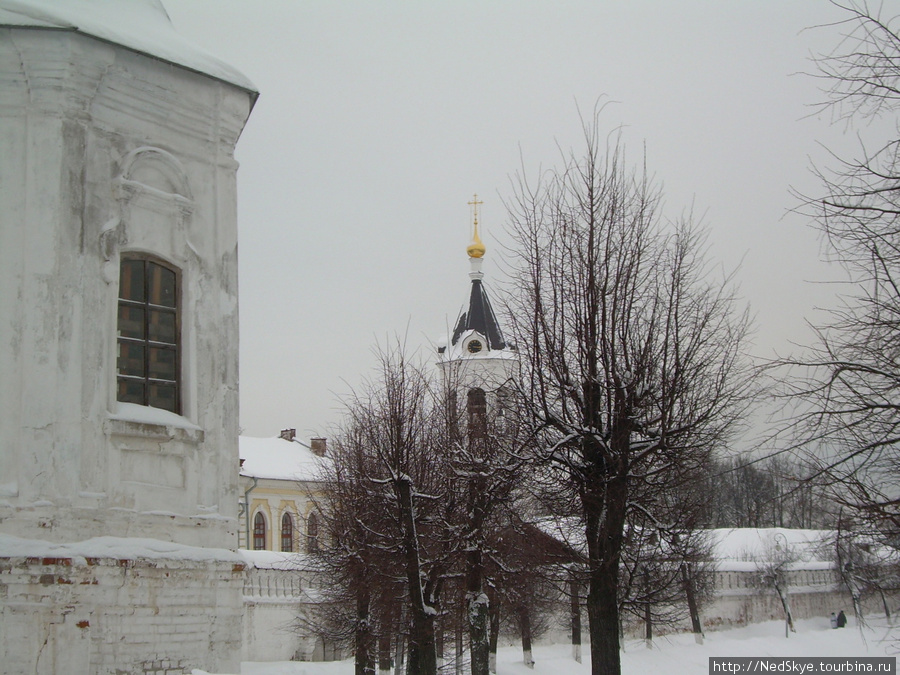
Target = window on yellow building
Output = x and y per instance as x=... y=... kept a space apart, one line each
x=312 y=533
x=259 y=532
x=287 y=533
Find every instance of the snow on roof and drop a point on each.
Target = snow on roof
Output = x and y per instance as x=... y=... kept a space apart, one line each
x=140 y=25
x=279 y=459
x=732 y=548
x=754 y=544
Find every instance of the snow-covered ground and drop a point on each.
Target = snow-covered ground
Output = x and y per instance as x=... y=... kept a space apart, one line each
x=673 y=655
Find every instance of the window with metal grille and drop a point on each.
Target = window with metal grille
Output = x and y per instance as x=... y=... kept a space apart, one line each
x=287 y=533
x=148 y=362
x=259 y=532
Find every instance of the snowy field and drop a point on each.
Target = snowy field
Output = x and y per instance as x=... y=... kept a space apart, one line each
x=672 y=655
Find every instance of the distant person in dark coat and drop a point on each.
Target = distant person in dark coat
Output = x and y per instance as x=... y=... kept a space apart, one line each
x=842 y=619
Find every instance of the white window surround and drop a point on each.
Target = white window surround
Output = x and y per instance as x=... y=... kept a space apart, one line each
x=153 y=185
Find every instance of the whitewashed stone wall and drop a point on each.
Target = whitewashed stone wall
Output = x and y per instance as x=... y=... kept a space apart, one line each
x=108 y=615
x=107 y=151
x=742 y=598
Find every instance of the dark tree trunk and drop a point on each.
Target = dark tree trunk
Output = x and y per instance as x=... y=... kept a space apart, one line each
x=459 y=646
x=363 y=639
x=384 y=653
x=399 y=654
x=525 y=630
x=605 y=523
x=477 y=606
x=648 y=624
x=476 y=599
x=575 y=614
x=688 y=585
x=494 y=610
x=422 y=659
x=603 y=625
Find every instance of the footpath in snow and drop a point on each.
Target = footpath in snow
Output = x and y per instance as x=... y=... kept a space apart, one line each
x=671 y=655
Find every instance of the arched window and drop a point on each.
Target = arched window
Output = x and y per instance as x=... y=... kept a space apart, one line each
x=312 y=533
x=259 y=532
x=148 y=334
x=476 y=405
x=287 y=533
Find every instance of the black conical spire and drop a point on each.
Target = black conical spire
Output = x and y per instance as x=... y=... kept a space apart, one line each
x=480 y=317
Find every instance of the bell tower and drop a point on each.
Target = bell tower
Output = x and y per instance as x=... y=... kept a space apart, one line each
x=478 y=361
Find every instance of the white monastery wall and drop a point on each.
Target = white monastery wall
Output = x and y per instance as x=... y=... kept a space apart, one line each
x=273 y=602
x=739 y=599
x=278 y=594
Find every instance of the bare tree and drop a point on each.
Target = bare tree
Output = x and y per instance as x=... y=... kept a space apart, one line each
x=387 y=507
x=487 y=471
x=847 y=385
x=774 y=575
x=777 y=491
x=864 y=564
x=632 y=352
x=421 y=488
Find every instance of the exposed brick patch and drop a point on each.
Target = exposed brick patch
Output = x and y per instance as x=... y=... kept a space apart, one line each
x=67 y=562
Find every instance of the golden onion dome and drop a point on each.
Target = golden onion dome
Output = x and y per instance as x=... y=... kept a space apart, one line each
x=476 y=248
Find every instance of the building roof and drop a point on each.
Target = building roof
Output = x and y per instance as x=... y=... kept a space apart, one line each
x=279 y=459
x=142 y=26
x=480 y=317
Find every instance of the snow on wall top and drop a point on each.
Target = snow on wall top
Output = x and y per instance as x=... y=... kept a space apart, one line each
x=275 y=560
x=140 y=25
x=131 y=548
x=279 y=459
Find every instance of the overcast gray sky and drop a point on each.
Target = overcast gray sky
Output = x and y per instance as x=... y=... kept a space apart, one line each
x=377 y=122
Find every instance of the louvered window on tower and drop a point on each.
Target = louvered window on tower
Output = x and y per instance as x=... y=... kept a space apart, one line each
x=477 y=408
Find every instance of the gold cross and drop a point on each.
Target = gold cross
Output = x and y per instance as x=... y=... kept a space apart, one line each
x=475 y=203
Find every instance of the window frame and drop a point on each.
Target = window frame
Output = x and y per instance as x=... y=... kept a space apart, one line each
x=147 y=342
x=259 y=531
x=287 y=532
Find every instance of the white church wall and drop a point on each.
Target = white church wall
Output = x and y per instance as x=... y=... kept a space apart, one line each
x=109 y=152
x=119 y=153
